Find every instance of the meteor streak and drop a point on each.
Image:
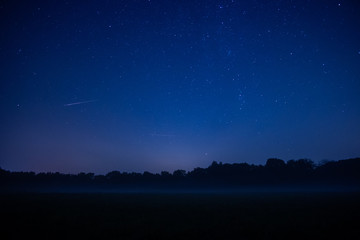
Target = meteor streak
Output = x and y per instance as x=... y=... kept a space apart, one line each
x=78 y=103
x=162 y=135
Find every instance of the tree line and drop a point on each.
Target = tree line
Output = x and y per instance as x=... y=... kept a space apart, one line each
x=275 y=172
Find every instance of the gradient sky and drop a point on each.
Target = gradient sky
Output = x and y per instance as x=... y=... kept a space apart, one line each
x=155 y=85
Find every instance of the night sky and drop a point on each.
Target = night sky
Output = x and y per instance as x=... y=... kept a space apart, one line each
x=151 y=85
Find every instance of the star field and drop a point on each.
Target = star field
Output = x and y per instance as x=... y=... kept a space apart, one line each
x=162 y=85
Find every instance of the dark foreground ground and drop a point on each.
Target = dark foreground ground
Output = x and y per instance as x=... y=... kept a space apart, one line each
x=181 y=216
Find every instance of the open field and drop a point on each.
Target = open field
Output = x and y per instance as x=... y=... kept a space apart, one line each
x=182 y=216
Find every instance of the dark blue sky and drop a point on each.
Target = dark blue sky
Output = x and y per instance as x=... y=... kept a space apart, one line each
x=157 y=85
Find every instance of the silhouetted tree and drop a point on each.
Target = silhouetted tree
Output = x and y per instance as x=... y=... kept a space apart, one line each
x=113 y=175
x=165 y=174
x=179 y=173
x=275 y=164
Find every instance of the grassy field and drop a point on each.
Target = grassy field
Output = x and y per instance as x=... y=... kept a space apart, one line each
x=182 y=216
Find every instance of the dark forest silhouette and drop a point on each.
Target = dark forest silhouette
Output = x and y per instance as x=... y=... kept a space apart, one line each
x=275 y=173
